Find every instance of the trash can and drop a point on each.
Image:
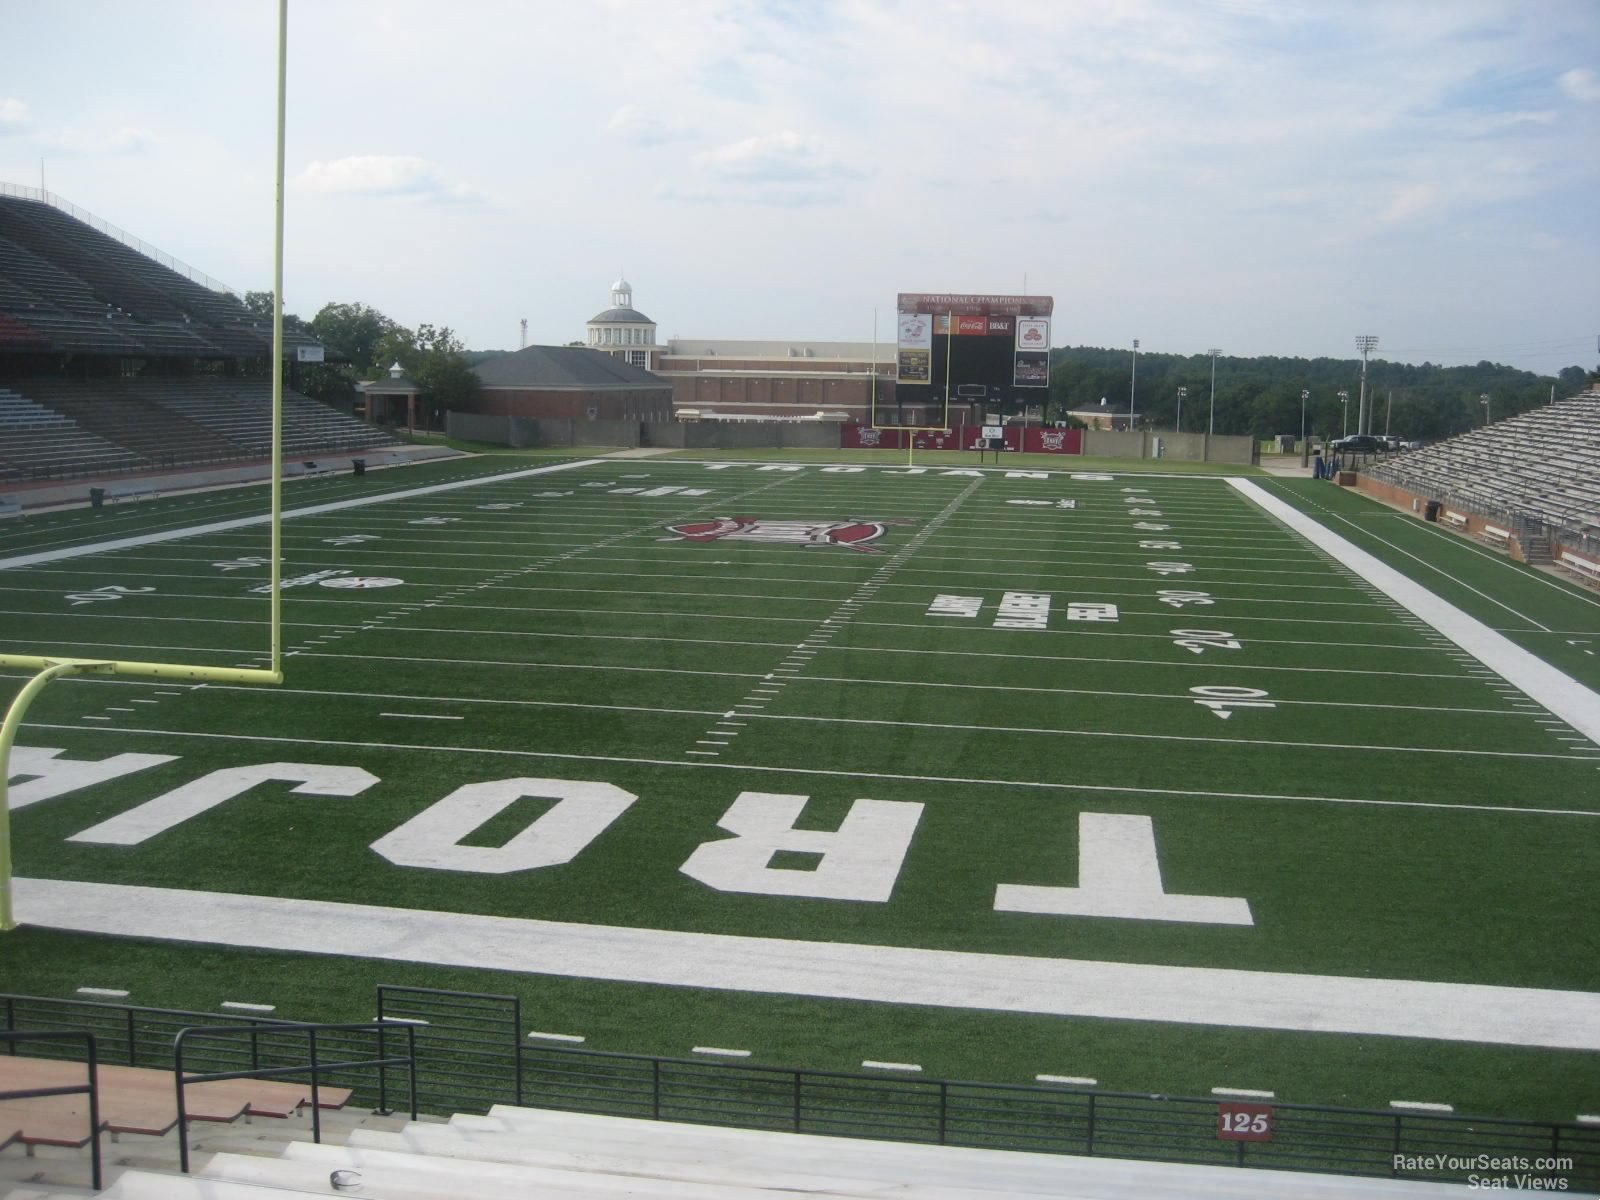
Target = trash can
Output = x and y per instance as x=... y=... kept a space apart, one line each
x=97 y=497
x=1430 y=511
x=359 y=465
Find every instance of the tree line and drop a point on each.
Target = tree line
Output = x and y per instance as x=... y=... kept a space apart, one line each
x=362 y=343
x=1261 y=396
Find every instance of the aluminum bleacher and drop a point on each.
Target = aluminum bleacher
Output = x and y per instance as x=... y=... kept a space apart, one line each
x=514 y=1154
x=1536 y=472
x=68 y=286
x=57 y=428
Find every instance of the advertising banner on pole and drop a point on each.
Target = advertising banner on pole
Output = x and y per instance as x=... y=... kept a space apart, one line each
x=915 y=358
x=1032 y=366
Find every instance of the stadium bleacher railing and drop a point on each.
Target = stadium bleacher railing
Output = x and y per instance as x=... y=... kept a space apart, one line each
x=470 y=1054
x=121 y=235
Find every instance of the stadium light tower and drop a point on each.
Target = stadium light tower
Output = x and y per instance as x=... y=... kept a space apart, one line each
x=1305 y=447
x=1484 y=400
x=1344 y=399
x=1211 y=425
x=1177 y=426
x=1133 y=383
x=1364 y=343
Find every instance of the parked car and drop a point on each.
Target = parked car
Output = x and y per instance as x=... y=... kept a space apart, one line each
x=1359 y=443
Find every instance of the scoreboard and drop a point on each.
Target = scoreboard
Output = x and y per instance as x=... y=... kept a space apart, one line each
x=982 y=351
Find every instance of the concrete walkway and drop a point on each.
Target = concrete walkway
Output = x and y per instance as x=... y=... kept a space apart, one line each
x=75 y=493
x=1285 y=464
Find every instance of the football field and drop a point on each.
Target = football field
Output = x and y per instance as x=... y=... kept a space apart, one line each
x=1171 y=783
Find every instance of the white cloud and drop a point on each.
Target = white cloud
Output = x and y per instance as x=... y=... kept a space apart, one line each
x=120 y=139
x=14 y=117
x=786 y=157
x=1580 y=83
x=384 y=175
x=643 y=128
x=786 y=170
x=1410 y=202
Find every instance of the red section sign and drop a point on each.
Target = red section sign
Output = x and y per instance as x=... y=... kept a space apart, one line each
x=1244 y=1122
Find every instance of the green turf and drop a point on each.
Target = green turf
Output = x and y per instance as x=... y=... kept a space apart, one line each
x=1386 y=819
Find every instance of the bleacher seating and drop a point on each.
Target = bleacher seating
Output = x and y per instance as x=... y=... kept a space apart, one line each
x=57 y=428
x=68 y=287
x=1541 y=468
x=37 y=442
x=519 y=1153
x=71 y=287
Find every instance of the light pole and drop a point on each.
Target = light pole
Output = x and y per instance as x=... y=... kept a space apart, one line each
x=1344 y=399
x=1133 y=383
x=1211 y=425
x=1177 y=426
x=1484 y=400
x=1364 y=343
x=1305 y=447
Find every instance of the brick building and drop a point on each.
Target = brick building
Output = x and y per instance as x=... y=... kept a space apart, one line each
x=767 y=380
x=571 y=383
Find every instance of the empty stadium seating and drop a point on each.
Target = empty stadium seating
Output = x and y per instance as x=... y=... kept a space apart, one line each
x=56 y=428
x=67 y=287
x=519 y=1153
x=1539 y=469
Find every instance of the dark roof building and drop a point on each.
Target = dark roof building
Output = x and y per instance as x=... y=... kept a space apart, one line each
x=571 y=383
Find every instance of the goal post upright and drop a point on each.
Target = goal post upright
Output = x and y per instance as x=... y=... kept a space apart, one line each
x=51 y=667
x=275 y=541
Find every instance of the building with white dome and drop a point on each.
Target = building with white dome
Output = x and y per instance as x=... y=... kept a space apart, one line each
x=788 y=380
x=624 y=332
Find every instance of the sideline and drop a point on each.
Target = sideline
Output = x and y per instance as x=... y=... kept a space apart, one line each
x=314 y=510
x=1560 y=693
x=1455 y=1012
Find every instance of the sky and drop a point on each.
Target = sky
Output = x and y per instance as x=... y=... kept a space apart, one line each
x=1260 y=176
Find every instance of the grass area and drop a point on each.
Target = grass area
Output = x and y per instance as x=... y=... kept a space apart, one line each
x=1385 y=808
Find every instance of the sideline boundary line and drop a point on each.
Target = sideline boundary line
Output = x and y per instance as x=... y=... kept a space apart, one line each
x=1456 y=1012
x=1560 y=693
x=313 y=510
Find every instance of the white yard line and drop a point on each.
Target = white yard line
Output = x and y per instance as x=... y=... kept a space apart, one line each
x=1166 y=737
x=1557 y=691
x=973 y=781
x=173 y=535
x=893 y=974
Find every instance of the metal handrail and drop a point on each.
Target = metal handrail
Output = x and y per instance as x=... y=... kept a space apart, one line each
x=91 y=1088
x=315 y=1066
x=1102 y=1120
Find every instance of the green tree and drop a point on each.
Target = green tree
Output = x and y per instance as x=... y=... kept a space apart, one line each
x=355 y=332
x=260 y=303
x=433 y=358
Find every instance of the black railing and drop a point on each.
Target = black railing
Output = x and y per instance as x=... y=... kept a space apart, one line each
x=468 y=1042
x=91 y=1087
x=311 y=1063
x=469 y=1055
x=130 y=1035
x=1181 y=1129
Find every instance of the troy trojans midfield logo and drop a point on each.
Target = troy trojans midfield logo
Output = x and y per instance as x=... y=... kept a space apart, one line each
x=854 y=534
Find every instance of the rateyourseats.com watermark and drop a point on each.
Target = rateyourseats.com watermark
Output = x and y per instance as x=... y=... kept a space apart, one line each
x=1496 y=1172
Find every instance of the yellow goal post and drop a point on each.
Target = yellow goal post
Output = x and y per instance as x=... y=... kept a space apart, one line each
x=50 y=667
